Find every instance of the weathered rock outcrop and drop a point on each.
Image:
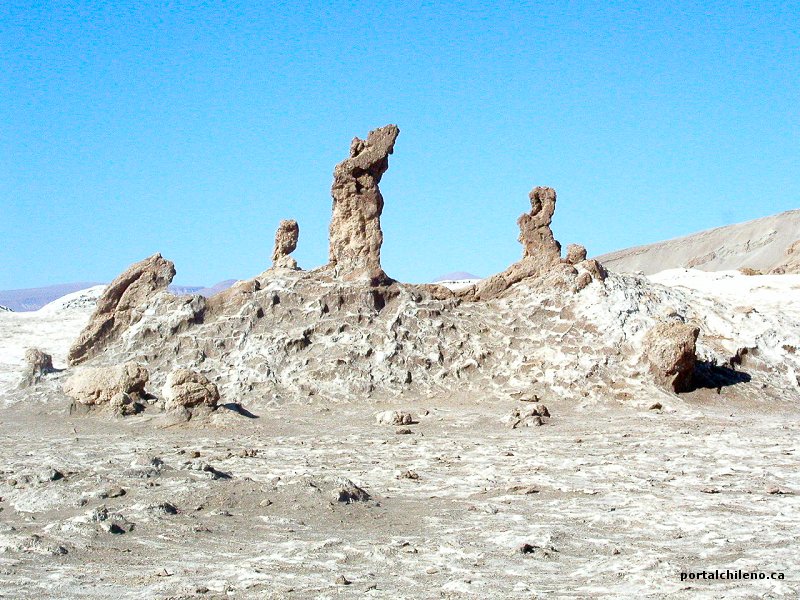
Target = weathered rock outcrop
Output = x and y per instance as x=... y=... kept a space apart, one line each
x=535 y=234
x=670 y=350
x=93 y=386
x=37 y=365
x=285 y=243
x=337 y=333
x=575 y=254
x=355 y=229
x=541 y=255
x=540 y=250
x=792 y=262
x=115 y=308
x=189 y=391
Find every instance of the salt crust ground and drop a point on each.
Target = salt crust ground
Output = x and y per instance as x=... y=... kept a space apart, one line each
x=616 y=499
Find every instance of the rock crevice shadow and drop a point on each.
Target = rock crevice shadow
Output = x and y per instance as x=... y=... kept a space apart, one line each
x=708 y=375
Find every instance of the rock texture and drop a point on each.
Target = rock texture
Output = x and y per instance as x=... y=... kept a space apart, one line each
x=393 y=417
x=341 y=333
x=791 y=264
x=189 y=390
x=575 y=254
x=355 y=229
x=541 y=254
x=535 y=234
x=37 y=365
x=285 y=243
x=93 y=386
x=670 y=350
x=116 y=308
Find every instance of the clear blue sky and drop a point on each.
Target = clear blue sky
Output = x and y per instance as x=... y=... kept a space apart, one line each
x=191 y=129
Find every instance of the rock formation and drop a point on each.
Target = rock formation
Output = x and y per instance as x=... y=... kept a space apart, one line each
x=575 y=254
x=792 y=262
x=355 y=229
x=189 y=392
x=535 y=234
x=93 y=386
x=670 y=350
x=115 y=308
x=285 y=243
x=541 y=255
x=540 y=250
x=333 y=334
x=37 y=365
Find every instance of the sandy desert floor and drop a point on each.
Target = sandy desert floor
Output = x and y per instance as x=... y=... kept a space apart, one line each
x=613 y=501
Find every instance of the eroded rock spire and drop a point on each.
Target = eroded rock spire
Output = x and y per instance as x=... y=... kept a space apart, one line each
x=535 y=234
x=355 y=230
x=285 y=243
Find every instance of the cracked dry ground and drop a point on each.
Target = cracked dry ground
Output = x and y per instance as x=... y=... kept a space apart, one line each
x=612 y=500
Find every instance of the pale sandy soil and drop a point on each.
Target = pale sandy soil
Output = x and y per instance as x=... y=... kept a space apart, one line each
x=617 y=500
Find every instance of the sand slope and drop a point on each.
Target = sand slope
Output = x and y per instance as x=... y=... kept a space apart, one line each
x=760 y=244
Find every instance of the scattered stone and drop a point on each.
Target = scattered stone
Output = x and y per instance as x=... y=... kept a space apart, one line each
x=347 y=492
x=115 y=524
x=38 y=545
x=213 y=472
x=355 y=229
x=525 y=396
x=393 y=417
x=534 y=549
x=285 y=243
x=165 y=508
x=670 y=350
x=710 y=491
x=342 y=580
x=112 y=492
x=91 y=386
x=525 y=490
x=403 y=431
x=408 y=475
x=51 y=475
x=115 y=310
x=99 y=514
x=37 y=365
x=527 y=417
x=656 y=406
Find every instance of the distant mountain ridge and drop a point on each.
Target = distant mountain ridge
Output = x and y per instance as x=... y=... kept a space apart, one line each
x=761 y=244
x=455 y=276
x=35 y=298
x=30 y=299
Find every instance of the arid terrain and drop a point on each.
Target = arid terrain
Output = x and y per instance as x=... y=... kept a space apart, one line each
x=765 y=245
x=557 y=429
x=615 y=500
